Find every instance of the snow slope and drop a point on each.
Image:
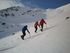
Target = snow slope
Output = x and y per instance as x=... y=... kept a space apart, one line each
x=16 y=17
x=54 y=39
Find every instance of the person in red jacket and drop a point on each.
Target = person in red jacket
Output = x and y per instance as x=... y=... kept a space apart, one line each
x=42 y=22
x=36 y=26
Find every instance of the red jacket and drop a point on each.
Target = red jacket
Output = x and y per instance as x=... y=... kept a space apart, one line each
x=42 y=22
x=36 y=24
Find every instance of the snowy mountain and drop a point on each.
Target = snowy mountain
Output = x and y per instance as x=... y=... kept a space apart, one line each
x=14 y=17
x=54 y=39
x=58 y=14
x=9 y=3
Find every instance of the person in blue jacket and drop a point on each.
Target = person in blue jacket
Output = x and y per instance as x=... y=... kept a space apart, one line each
x=24 y=29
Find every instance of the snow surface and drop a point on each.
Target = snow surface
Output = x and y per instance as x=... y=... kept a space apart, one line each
x=54 y=39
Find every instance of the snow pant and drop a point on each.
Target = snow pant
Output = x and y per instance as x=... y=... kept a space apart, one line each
x=23 y=35
x=42 y=27
x=36 y=29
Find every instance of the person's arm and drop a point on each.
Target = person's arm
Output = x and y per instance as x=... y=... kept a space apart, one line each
x=38 y=24
x=28 y=31
x=45 y=22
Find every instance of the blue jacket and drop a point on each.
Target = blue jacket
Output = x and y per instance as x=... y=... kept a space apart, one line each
x=24 y=29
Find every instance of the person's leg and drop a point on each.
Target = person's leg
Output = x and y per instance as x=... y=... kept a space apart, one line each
x=41 y=27
x=35 y=29
x=23 y=35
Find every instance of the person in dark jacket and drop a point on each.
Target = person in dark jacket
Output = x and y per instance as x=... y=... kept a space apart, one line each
x=36 y=26
x=24 y=29
x=42 y=22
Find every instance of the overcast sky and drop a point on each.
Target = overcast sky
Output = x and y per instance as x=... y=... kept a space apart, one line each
x=34 y=3
x=45 y=3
